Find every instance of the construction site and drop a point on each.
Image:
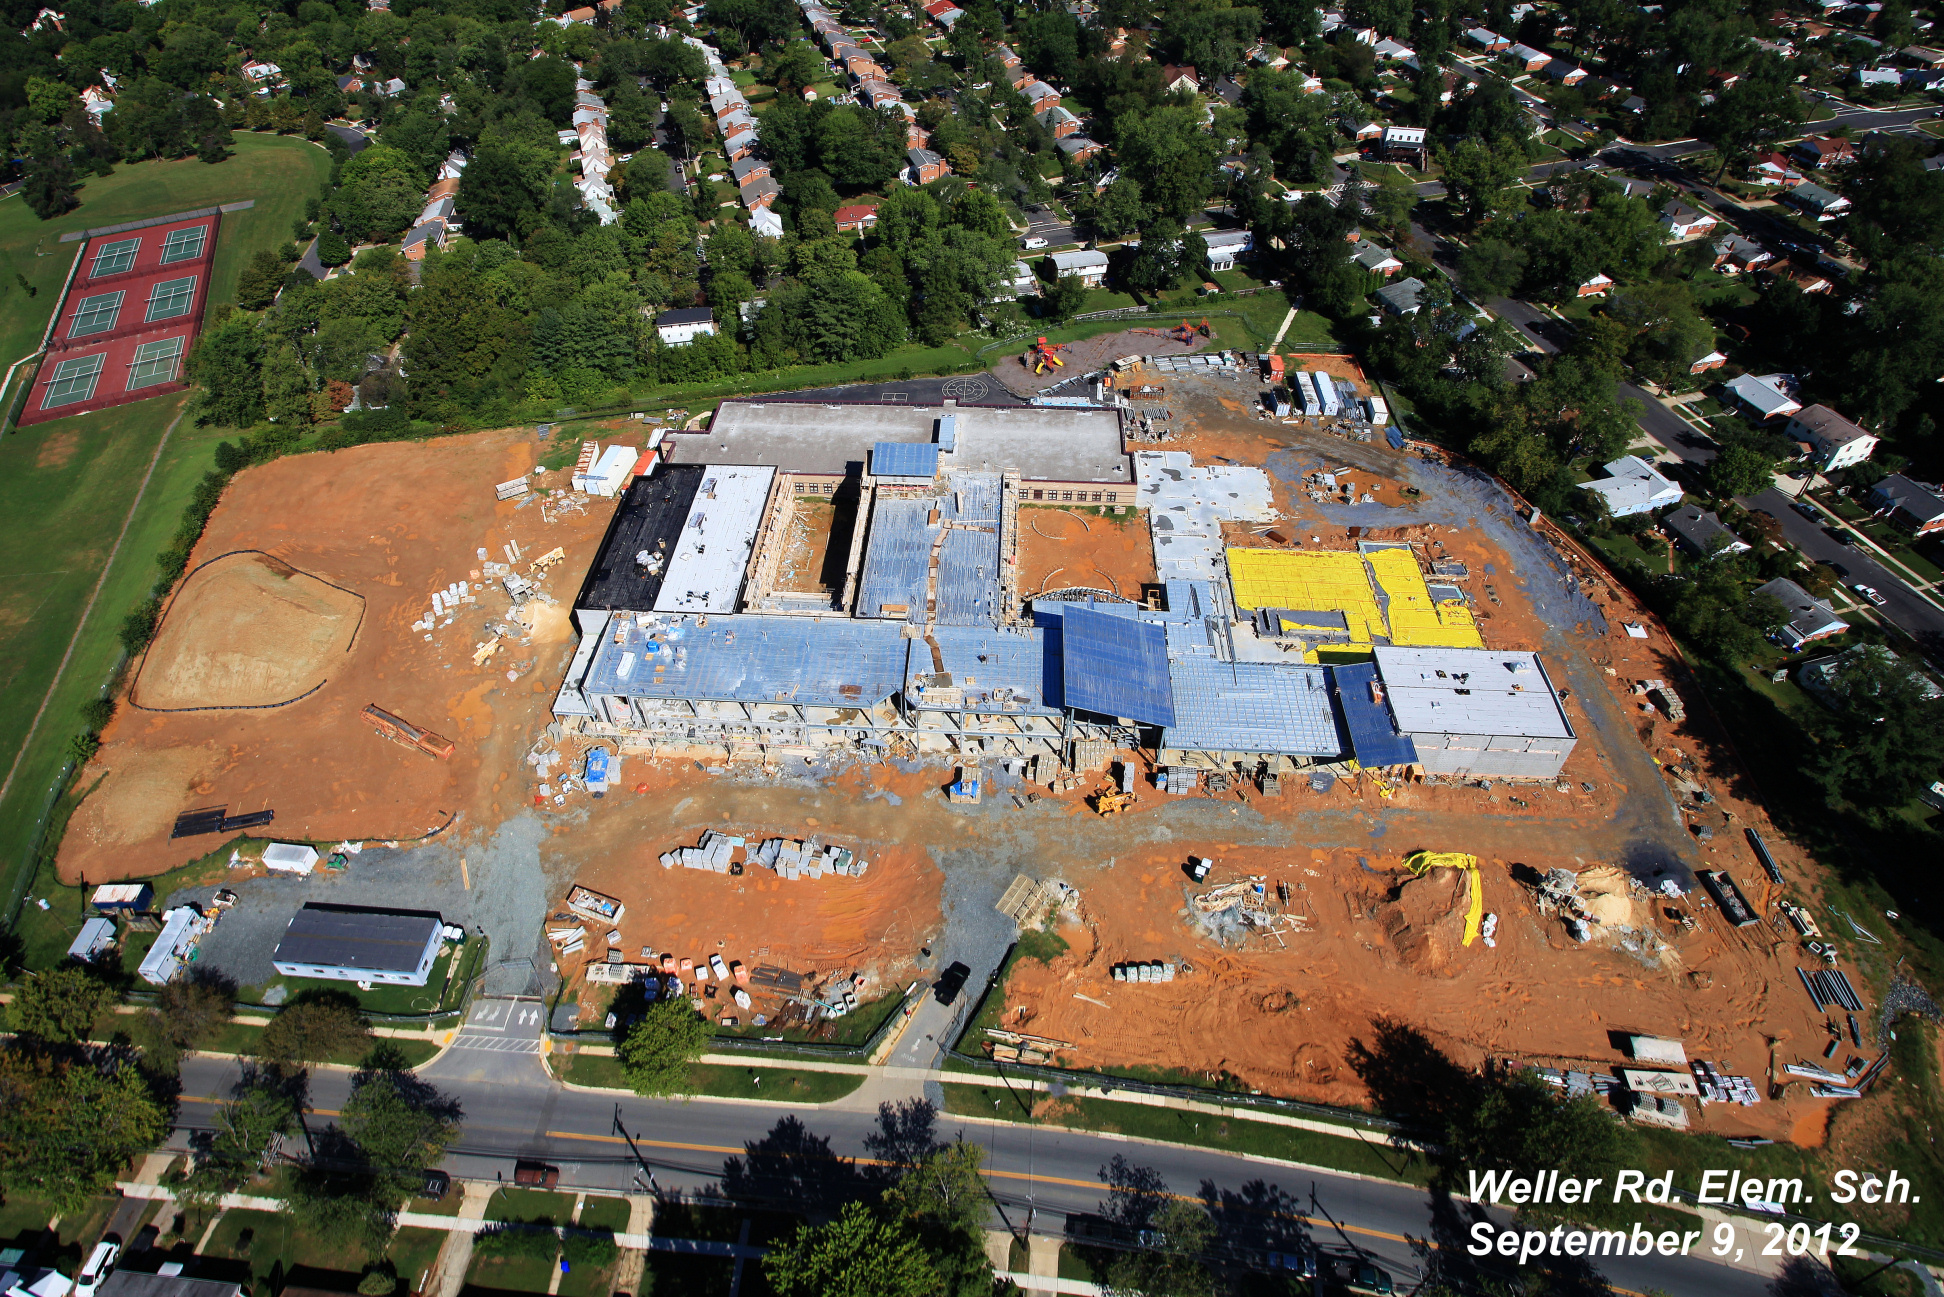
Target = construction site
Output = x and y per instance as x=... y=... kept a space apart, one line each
x=808 y=687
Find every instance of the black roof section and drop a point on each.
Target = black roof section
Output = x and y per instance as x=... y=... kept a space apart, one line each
x=649 y=520
x=686 y=315
x=352 y=936
x=130 y=1283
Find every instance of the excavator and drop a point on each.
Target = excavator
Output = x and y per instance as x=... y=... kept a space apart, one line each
x=1112 y=803
x=1044 y=355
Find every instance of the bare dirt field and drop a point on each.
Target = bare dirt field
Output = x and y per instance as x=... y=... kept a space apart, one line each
x=1062 y=547
x=391 y=524
x=1088 y=355
x=246 y=630
x=807 y=555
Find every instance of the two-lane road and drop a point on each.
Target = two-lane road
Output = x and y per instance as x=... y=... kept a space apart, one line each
x=812 y=1157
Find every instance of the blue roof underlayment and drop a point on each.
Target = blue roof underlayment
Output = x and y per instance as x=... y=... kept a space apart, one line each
x=904 y=459
x=1374 y=739
x=1280 y=707
x=1000 y=671
x=751 y=658
x=1116 y=666
x=897 y=557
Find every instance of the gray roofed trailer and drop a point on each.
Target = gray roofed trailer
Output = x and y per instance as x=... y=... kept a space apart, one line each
x=349 y=943
x=1327 y=394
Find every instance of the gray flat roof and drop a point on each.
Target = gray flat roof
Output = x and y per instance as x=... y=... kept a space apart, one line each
x=1000 y=671
x=1055 y=445
x=374 y=941
x=711 y=553
x=1252 y=707
x=897 y=556
x=817 y=662
x=1471 y=691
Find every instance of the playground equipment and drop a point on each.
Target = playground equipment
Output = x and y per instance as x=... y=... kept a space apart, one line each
x=1044 y=355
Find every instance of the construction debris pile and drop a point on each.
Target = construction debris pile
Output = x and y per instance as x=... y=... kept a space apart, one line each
x=1021 y=1047
x=790 y=859
x=1231 y=913
x=1605 y=902
x=1152 y=970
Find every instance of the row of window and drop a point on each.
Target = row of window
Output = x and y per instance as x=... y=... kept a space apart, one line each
x=167 y=301
x=119 y=257
x=816 y=488
x=76 y=378
x=1079 y=497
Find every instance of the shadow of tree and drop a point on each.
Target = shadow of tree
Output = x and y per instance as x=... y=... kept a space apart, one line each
x=791 y=1166
x=906 y=1133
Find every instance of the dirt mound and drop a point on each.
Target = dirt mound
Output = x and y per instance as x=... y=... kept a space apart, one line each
x=1606 y=894
x=1086 y=356
x=1424 y=920
x=141 y=793
x=247 y=630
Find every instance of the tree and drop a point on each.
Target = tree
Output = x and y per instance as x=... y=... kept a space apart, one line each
x=312 y=1031
x=68 y=1128
x=1751 y=114
x=191 y=1009
x=659 y=1048
x=797 y=67
x=332 y=249
x=1739 y=470
x=1066 y=297
x=1120 y=209
x=1169 y=1265
x=943 y=1187
x=1885 y=739
x=59 y=1005
x=239 y=1146
x=48 y=187
x=257 y=285
x=1491 y=267
x=1481 y=175
x=382 y=190
x=856 y=1255
x=503 y=191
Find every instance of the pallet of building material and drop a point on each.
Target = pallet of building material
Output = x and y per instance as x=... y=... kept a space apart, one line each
x=512 y=490
x=768 y=977
x=1762 y=854
x=614 y=973
x=590 y=904
x=406 y=734
x=1728 y=896
x=1022 y=899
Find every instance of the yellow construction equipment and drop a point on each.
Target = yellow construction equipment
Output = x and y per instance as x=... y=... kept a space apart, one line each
x=1423 y=862
x=1112 y=803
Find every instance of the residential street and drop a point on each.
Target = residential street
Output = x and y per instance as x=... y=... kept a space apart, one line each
x=801 y=1156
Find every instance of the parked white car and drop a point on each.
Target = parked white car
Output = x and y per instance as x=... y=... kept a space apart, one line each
x=1031 y=242
x=101 y=1263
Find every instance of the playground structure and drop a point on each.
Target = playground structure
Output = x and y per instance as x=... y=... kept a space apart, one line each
x=1044 y=355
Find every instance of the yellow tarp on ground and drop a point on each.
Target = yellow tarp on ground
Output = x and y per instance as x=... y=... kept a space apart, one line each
x=1416 y=621
x=1348 y=582
x=1423 y=862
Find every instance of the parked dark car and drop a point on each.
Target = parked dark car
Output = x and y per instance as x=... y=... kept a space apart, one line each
x=950 y=982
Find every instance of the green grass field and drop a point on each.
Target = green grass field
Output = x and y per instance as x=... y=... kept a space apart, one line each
x=67 y=486
x=278 y=171
x=755 y=1081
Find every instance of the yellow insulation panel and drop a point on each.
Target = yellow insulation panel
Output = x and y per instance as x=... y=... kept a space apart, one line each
x=1307 y=580
x=1416 y=621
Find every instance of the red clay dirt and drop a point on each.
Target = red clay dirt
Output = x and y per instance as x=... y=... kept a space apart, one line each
x=390 y=523
x=1064 y=547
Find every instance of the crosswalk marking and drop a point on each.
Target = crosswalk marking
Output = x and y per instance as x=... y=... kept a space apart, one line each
x=495 y=1044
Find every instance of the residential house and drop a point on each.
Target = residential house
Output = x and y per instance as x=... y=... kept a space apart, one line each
x=1225 y=246
x=1489 y=41
x=1378 y=261
x=1810 y=619
x=1390 y=51
x=944 y=13
x=1117 y=44
x=1595 y=287
x=1834 y=442
x=1059 y=122
x=1566 y=72
x=765 y=223
x=878 y=94
x=737 y=120
x=1021 y=283
x=1923 y=56
x=1405 y=144
x=1915 y=506
x=391 y=89
x=1007 y=59
x=1710 y=360
x=262 y=73
x=1631 y=486
x=1869 y=77
x=1040 y=96
x=1180 y=78
x=680 y=327
x=1078 y=147
x=1684 y=223
x=1405 y=297
x=749 y=169
x=1362 y=129
x=350 y=84
x=760 y=192
x=740 y=143
x=1311 y=84
x=1089 y=266
x=1602 y=89
x=97 y=102
x=1820 y=677
x=1528 y=58
x=1923 y=79
x=1702 y=534
x=1820 y=151
x=925 y=167
x=1735 y=254
x=1768 y=396
x=1818 y=202
x=857 y=217
x=1806 y=281
x=1633 y=104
